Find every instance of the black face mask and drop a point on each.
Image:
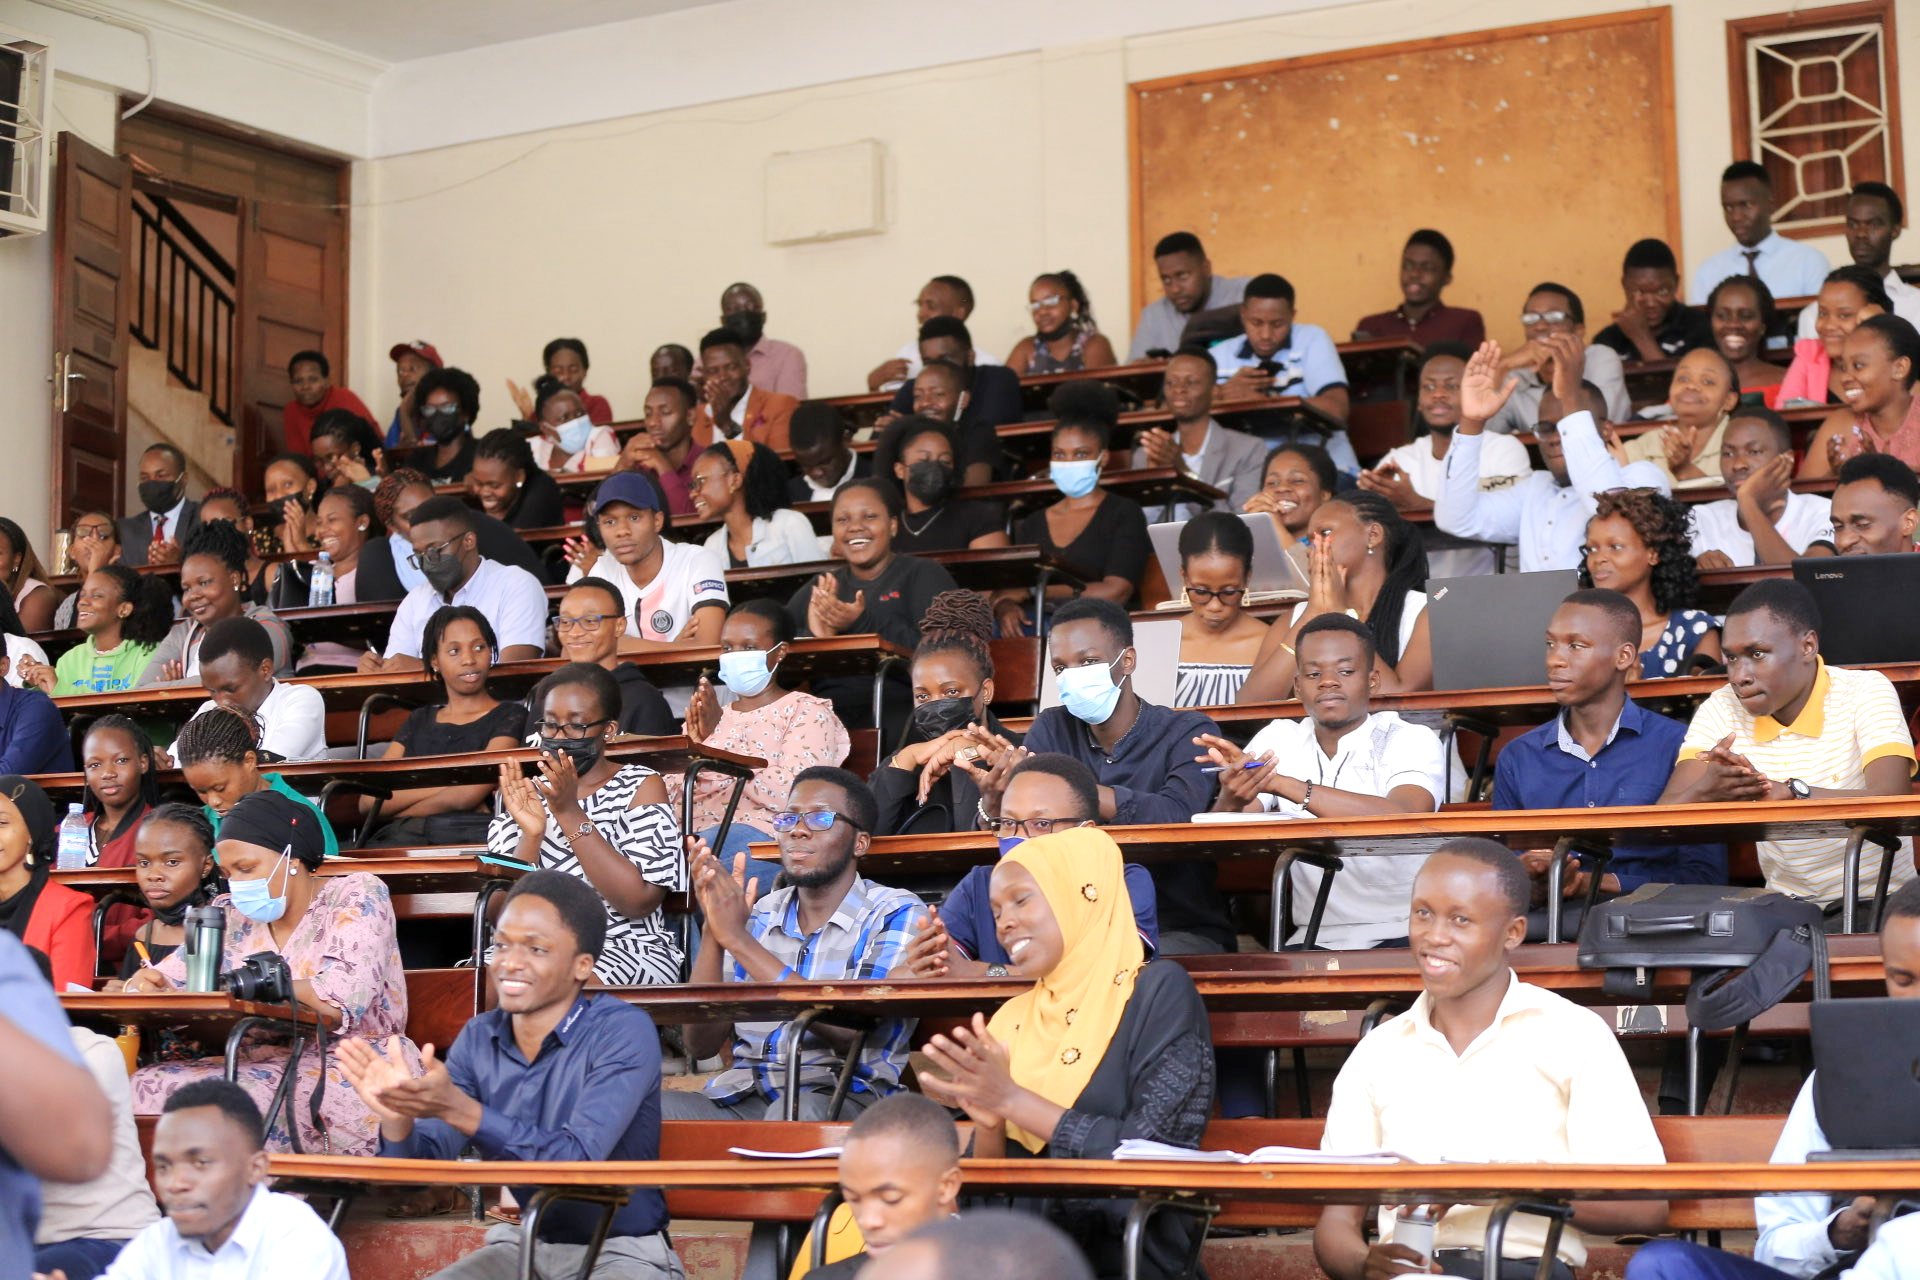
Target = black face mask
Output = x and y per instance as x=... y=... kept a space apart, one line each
x=745 y=325
x=585 y=752
x=158 y=496
x=1057 y=334
x=930 y=480
x=445 y=574
x=943 y=715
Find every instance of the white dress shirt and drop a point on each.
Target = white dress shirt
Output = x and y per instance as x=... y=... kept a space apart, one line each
x=1792 y=1230
x=277 y=1238
x=293 y=719
x=1894 y=1253
x=1548 y=521
x=1503 y=460
x=1716 y=526
x=1905 y=299
x=1790 y=268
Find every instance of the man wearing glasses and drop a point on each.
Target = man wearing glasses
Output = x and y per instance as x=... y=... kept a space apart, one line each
x=1553 y=310
x=1044 y=794
x=447 y=551
x=826 y=923
x=588 y=627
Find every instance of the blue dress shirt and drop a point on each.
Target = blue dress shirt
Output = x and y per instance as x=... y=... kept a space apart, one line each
x=593 y=1093
x=29 y=1002
x=33 y=738
x=968 y=914
x=1545 y=768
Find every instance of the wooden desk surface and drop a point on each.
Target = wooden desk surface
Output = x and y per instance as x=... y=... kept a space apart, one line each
x=976 y=569
x=465 y=873
x=202 y=1011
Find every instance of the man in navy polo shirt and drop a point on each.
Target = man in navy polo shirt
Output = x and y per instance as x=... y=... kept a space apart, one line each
x=1277 y=357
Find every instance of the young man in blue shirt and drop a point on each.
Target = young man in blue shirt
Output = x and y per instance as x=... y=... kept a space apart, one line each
x=1275 y=356
x=551 y=1073
x=1602 y=749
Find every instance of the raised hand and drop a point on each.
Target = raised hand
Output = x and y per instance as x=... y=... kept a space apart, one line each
x=703 y=711
x=36 y=673
x=522 y=400
x=1676 y=442
x=561 y=782
x=1162 y=448
x=1482 y=391
x=1569 y=366
x=827 y=613
x=581 y=554
x=1326 y=580
x=521 y=801
x=927 y=955
x=1391 y=483
x=726 y=898
x=372 y=1073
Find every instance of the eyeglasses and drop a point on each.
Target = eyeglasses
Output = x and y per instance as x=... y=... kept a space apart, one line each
x=438 y=410
x=1051 y=300
x=1206 y=595
x=585 y=622
x=816 y=820
x=1531 y=318
x=97 y=531
x=433 y=554
x=1029 y=828
x=558 y=729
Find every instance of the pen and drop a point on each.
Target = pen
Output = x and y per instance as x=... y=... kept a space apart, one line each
x=1245 y=764
x=146 y=959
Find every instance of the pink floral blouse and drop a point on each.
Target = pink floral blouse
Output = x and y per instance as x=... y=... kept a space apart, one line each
x=791 y=733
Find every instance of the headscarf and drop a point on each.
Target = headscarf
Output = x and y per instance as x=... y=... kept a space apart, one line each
x=1057 y=1033
x=272 y=821
x=742 y=451
x=37 y=811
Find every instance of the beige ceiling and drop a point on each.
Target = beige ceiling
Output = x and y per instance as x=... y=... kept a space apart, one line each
x=401 y=30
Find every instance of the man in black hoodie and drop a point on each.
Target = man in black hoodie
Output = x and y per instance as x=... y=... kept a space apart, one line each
x=589 y=626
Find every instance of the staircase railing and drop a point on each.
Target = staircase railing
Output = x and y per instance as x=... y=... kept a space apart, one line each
x=183 y=306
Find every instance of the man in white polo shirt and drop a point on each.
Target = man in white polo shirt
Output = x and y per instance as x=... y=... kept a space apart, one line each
x=1765 y=522
x=1484 y=1068
x=446 y=550
x=674 y=592
x=1339 y=761
x=1788 y=727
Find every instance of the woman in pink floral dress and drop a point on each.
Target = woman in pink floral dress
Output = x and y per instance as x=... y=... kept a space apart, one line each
x=336 y=934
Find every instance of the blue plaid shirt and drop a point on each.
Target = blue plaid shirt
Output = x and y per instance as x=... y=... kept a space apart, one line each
x=866 y=938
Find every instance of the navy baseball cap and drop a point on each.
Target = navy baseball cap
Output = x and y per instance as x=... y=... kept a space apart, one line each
x=630 y=487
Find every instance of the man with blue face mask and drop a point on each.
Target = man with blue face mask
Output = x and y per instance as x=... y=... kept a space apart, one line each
x=1141 y=755
x=1044 y=794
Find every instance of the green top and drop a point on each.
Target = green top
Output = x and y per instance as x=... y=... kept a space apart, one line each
x=285 y=788
x=85 y=669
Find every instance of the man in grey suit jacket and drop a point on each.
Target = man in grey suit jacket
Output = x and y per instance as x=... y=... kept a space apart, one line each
x=170 y=516
x=1229 y=460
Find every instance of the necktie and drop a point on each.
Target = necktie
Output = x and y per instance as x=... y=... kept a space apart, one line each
x=1750 y=255
x=160 y=528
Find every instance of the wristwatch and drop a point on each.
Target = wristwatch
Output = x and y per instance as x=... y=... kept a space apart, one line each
x=1798 y=789
x=586 y=828
x=996 y=971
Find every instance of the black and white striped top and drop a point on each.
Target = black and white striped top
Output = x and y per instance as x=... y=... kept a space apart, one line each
x=640 y=951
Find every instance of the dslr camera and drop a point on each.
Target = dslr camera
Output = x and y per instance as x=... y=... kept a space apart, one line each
x=262 y=977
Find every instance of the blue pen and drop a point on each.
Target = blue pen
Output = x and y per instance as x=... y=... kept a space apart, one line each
x=1245 y=764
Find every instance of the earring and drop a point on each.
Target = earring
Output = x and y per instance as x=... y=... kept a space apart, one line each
x=29 y=857
x=1370 y=550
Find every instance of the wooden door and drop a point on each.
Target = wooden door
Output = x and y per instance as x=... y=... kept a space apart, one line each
x=92 y=304
x=293 y=296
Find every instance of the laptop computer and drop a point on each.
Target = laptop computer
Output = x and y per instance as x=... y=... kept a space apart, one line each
x=1489 y=631
x=1867 y=1101
x=1276 y=577
x=1857 y=626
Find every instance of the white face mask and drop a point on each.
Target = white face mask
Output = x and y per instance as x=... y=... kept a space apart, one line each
x=574 y=433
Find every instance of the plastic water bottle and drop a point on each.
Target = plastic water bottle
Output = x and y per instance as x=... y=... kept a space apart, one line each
x=76 y=840
x=321 y=590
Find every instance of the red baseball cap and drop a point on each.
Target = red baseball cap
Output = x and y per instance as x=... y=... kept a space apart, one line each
x=417 y=347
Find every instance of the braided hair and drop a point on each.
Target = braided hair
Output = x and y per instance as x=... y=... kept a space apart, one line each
x=215 y=734
x=1666 y=526
x=142 y=747
x=1406 y=557
x=388 y=491
x=958 y=622
x=222 y=541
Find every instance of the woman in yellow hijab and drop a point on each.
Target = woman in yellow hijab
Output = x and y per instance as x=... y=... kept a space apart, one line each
x=1106 y=1046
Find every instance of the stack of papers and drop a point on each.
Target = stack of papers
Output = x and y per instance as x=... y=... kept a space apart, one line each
x=1141 y=1149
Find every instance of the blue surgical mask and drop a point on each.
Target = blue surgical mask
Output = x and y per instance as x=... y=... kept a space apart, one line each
x=574 y=433
x=1075 y=479
x=1009 y=843
x=1089 y=693
x=254 y=899
x=745 y=671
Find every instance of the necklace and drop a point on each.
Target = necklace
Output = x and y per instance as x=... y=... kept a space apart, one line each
x=908 y=521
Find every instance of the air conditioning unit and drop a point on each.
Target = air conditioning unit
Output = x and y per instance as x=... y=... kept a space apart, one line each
x=26 y=101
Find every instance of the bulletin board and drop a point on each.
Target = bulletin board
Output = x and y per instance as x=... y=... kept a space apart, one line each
x=1541 y=151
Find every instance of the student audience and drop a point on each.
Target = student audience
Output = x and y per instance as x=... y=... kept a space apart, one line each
x=1765 y=522
x=1879 y=364
x=236 y=667
x=213 y=587
x=447 y=405
x=1848 y=296
x=385 y=570
x=987 y=398
x=51 y=918
x=664 y=450
x=510 y=486
x=1299 y=767
x=590 y=816
x=1219 y=639
x=549 y=1073
x=175 y=870
x=1065 y=338
x=336 y=935
x=899 y=1171
x=1188 y=287
x=1788 y=726
x=412 y=361
x=744 y=487
x=219 y=756
x=1411 y=475
x=1278 y=357
x=1791 y=268
x=459 y=647
x=565 y=361
x=825 y=923
x=446 y=549
x=922 y=456
x=1556 y=329
x=1637 y=545
x=732 y=408
x=589 y=627
x=1483 y=1067
x=1602 y=748
x=823 y=453
x=156 y=535
x=1426 y=268
x=1199 y=445
x=123 y=616
x=1875 y=219
x=1740 y=310
x=1703 y=391
x=1546 y=512
x=292 y=484
x=947 y=297
x=1654 y=324
x=1135 y=1061
x=673 y=592
x=346 y=450
x=310 y=376
x=1876 y=506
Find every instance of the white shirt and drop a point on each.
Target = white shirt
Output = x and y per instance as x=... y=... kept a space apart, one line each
x=1716 y=526
x=1602 y=368
x=1894 y=1253
x=19 y=647
x=118 y=1204
x=689 y=576
x=172 y=518
x=513 y=600
x=277 y=1238
x=1546 y=1083
x=1790 y=268
x=785 y=537
x=601 y=443
x=911 y=354
x=1409 y=615
x=1368 y=903
x=1792 y=1230
x=294 y=720
x=826 y=494
x=1503 y=460
x=1905 y=299
x=1549 y=522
